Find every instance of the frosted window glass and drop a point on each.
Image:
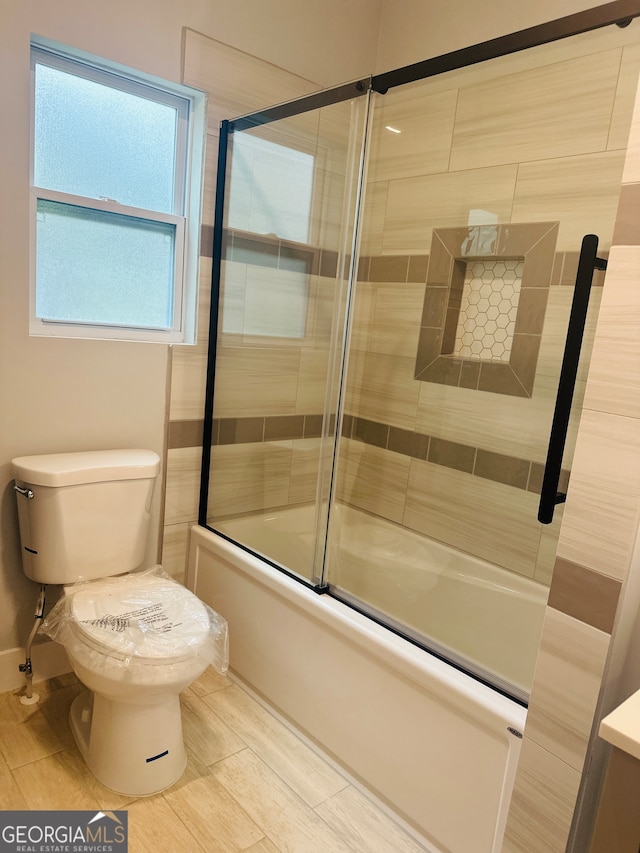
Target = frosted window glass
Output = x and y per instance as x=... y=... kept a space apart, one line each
x=95 y=141
x=270 y=189
x=96 y=267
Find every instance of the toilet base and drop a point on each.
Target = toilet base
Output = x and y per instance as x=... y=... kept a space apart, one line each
x=136 y=750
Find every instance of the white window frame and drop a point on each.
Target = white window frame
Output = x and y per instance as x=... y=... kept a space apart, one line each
x=188 y=179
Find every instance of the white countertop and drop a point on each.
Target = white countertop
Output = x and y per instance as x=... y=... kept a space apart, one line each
x=622 y=726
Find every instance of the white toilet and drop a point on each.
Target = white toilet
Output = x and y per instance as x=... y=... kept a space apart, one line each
x=134 y=640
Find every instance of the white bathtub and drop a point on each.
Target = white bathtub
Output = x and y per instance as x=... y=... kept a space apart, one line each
x=467 y=609
x=437 y=746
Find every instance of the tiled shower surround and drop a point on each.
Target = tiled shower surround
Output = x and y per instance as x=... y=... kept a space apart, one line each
x=521 y=473
x=410 y=448
x=285 y=448
x=405 y=202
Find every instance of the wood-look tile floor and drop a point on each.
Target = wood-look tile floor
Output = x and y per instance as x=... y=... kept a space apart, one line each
x=250 y=785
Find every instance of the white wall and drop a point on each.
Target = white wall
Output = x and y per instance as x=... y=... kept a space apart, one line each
x=413 y=30
x=61 y=395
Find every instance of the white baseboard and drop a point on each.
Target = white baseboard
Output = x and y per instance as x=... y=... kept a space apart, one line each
x=48 y=660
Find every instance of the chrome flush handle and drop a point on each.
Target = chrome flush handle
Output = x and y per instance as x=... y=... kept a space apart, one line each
x=28 y=494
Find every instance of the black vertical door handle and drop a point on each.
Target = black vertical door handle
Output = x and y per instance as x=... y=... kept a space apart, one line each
x=587 y=263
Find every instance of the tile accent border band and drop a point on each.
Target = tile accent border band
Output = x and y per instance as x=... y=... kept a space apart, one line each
x=577 y=591
x=511 y=471
x=584 y=594
x=269 y=251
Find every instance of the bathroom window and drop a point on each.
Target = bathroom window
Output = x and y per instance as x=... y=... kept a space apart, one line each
x=116 y=189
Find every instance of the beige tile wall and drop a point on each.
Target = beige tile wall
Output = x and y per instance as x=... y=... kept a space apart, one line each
x=249 y=477
x=409 y=193
x=514 y=113
x=613 y=390
x=504 y=142
x=594 y=563
x=417 y=205
x=489 y=520
x=497 y=142
x=375 y=480
x=542 y=802
x=568 y=672
x=568 y=186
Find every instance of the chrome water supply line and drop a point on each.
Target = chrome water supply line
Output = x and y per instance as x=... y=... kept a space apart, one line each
x=29 y=697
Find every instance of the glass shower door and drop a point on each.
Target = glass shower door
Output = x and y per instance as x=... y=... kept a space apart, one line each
x=481 y=185
x=384 y=375
x=286 y=248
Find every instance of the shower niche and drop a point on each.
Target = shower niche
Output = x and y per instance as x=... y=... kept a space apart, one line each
x=484 y=306
x=487 y=304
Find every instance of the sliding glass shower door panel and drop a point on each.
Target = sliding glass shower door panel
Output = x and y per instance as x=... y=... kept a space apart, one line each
x=481 y=185
x=286 y=251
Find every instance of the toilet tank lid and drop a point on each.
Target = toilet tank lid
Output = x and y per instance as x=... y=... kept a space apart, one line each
x=96 y=466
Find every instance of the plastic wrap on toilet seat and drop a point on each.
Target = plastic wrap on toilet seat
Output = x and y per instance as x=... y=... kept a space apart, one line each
x=135 y=624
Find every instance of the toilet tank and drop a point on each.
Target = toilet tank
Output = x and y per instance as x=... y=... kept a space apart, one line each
x=86 y=515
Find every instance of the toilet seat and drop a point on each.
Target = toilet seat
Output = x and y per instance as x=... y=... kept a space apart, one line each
x=146 y=617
